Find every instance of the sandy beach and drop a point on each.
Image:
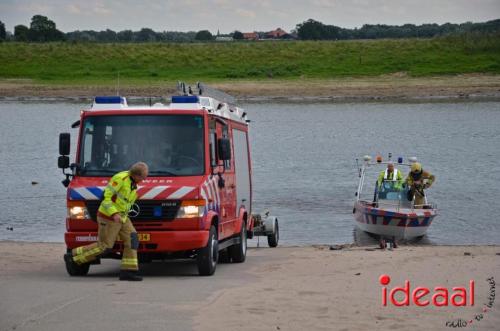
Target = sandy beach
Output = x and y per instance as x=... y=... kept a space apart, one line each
x=286 y=288
x=392 y=87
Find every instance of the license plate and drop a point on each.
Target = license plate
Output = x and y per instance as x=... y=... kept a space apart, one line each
x=144 y=236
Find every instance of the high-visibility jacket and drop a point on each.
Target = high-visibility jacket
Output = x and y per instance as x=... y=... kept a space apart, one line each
x=386 y=175
x=119 y=195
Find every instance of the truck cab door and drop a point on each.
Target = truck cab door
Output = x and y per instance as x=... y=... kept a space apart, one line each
x=228 y=190
x=221 y=180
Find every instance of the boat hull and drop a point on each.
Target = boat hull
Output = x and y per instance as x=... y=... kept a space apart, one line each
x=400 y=224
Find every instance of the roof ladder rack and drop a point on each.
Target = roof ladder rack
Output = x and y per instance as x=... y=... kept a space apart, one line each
x=206 y=91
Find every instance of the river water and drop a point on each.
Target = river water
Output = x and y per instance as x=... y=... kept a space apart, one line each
x=304 y=168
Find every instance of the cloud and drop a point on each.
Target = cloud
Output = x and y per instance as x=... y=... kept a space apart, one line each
x=36 y=8
x=324 y=3
x=246 y=13
x=101 y=9
x=88 y=9
x=74 y=9
x=222 y=2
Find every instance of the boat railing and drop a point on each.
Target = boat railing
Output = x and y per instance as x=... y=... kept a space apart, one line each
x=397 y=206
x=425 y=206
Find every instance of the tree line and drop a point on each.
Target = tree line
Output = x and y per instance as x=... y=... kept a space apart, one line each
x=314 y=30
x=42 y=29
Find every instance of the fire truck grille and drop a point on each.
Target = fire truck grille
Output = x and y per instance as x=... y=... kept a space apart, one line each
x=149 y=210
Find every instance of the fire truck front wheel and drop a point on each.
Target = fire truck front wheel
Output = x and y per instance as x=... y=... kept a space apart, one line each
x=208 y=255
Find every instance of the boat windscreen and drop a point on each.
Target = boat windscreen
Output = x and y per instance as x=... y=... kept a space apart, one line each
x=390 y=190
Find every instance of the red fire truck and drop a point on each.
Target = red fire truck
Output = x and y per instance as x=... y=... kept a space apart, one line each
x=196 y=202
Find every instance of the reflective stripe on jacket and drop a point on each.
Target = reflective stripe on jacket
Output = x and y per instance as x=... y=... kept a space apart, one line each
x=395 y=174
x=385 y=175
x=119 y=195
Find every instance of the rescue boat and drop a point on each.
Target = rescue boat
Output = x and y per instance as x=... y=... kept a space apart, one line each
x=386 y=211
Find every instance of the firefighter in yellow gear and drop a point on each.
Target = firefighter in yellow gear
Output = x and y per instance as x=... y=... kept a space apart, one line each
x=418 y=180
x=113 y=223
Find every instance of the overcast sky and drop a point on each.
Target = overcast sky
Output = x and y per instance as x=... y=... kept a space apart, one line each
x=242 y=15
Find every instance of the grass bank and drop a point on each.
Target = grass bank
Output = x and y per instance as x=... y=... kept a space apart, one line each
x=142 y=64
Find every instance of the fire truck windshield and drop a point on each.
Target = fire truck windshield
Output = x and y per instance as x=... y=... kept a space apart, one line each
x=171 y=145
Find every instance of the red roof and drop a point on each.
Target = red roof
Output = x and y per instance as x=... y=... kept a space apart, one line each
x=278 y=33
x=251 y=35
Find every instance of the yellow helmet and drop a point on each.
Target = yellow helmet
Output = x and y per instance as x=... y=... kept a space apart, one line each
x=416 y=167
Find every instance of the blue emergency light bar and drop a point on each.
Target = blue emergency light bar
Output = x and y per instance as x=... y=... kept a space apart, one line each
x=109 y=100
x=185 y=99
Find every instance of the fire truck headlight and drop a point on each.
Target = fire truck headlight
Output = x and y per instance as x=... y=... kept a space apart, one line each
x=78 y=212
x=191 y=208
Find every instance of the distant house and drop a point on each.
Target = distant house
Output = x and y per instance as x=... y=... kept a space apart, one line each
x=276 y=34
x=250 y=36
x=223 y=38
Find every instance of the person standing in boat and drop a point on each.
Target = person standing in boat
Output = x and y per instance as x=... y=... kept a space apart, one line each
x=390 y=174
x=418 y=180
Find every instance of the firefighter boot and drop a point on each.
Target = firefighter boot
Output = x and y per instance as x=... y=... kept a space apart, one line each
x=130 y=275
x=70 y=264
x=129 y=265
x=73 y=268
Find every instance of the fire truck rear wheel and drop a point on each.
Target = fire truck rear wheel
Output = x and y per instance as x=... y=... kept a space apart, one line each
x=238 y=252
x=74 y=269
x=224 y=256
x=208 y=256
x=272 y=239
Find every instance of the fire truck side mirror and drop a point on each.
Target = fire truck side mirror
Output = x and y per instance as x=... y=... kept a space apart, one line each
x=224 y=149
x=64 y=143
x=63 y=162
